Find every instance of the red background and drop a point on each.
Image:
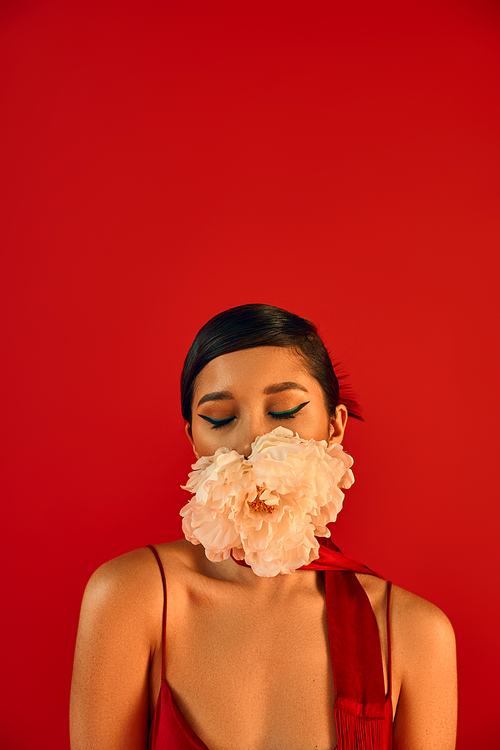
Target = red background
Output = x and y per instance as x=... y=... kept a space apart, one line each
x=165 y=161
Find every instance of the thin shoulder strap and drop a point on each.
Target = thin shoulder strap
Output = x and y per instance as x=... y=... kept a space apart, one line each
x=389 y=650
x=164 y=616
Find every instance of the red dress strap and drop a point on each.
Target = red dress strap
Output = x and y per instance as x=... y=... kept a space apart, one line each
x=164 y=615
x=389 y=650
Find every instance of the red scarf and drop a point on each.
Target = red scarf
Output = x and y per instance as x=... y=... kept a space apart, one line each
x=331 y=558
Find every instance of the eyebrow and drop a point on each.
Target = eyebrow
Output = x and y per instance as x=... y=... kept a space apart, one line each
x=288 y=386
x=275 y=388
x=216 y=396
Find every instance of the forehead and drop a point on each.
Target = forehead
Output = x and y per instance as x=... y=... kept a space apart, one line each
x=254 y=369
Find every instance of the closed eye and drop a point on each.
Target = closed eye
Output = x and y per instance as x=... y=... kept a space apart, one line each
x=289 y=414
x=217 y=422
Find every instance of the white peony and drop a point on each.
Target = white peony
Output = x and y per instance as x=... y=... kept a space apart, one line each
x=267 y=509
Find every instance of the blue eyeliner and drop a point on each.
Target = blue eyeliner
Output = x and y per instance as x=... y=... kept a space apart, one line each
x=217 y=422
x=289 y=414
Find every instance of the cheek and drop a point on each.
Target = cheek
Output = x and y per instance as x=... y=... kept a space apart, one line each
x=316 y=423
x=317 y=431
x=205 y=444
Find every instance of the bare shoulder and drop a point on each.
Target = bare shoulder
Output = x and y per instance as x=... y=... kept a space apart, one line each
x=118 y=639
x=411 y=616
x=121 y=596
x=419 y=627
x=130 y=585
x=124 y=572
x=133 y=569
x=424 y=664
x=128 y=577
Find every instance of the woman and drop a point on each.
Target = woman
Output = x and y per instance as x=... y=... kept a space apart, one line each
x=251 y=658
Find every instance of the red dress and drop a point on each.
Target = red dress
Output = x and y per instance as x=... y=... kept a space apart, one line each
x=363 y=713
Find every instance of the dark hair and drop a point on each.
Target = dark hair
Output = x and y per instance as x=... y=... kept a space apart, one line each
x=249 y=326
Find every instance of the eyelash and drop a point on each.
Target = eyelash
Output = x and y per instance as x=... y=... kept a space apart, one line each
x=290 y=414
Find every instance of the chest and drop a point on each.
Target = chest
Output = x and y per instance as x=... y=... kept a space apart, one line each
x=259 y=670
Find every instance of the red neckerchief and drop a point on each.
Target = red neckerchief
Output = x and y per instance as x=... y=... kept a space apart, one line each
x=331 y=558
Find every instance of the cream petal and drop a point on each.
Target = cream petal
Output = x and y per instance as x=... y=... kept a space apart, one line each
x=216 y=556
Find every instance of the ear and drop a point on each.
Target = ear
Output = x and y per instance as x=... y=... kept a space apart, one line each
x=190 y=438
x=338 y=424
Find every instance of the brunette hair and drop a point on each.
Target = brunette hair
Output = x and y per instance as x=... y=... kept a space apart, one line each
x=249 y=326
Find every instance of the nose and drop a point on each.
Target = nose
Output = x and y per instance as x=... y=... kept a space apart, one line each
x=247 y=447
x=250 y=429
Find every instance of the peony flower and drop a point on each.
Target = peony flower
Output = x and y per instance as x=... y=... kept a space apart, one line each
x=267 y=509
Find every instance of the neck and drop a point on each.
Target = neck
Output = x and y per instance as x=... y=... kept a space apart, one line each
x=265 y=588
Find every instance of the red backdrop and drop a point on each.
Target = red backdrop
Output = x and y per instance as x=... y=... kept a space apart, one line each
x=165 y=161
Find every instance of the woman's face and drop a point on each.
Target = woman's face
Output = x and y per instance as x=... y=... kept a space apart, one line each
x=247 y=393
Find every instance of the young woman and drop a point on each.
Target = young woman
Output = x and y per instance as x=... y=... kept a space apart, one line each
x=176 y=650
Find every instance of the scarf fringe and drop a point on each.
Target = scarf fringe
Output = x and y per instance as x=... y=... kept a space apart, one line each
x=358 y=733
